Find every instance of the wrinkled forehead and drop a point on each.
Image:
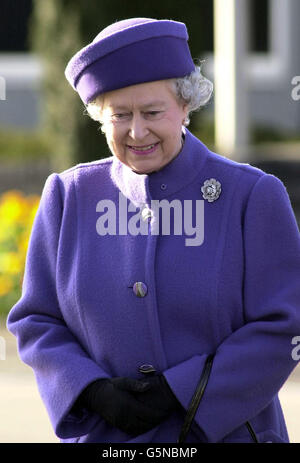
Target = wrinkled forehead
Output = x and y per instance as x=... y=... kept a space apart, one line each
x=146 y=95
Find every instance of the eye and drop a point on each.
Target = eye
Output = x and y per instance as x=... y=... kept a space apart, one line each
x=120 y=116
x=153 y=114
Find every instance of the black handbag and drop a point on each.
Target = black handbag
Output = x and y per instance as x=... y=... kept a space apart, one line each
x=194 y=403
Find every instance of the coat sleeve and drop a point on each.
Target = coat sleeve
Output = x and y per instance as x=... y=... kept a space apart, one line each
x=252 y=364
x=61 y=366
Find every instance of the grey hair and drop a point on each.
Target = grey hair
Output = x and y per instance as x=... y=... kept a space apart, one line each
x=194 y=90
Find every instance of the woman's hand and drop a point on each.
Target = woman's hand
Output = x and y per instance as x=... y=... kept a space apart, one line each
x=159 y=396
x=117 y=400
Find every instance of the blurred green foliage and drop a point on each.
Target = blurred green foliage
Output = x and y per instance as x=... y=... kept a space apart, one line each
x=22 y=144
x=262 y=134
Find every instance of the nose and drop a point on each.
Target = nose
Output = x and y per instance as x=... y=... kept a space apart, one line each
x=138 y=128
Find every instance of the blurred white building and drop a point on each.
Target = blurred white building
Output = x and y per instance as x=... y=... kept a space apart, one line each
x=270 y=72
x=22 y=105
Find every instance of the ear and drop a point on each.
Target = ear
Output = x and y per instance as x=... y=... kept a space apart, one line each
x=185 y=109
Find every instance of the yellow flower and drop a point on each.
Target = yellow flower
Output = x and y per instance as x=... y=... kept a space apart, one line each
x=6 y=285
x=23 y=241
x=11 y=263
x=12 y=206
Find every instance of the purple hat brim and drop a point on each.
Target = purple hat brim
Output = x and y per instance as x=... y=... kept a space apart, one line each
x=113 y=38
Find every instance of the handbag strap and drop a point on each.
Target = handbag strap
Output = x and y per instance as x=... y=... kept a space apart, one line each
x=193 y=406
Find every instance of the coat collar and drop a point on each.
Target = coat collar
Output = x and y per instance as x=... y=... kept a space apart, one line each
x=142 y=188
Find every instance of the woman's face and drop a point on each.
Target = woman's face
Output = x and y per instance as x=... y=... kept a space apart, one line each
x=143 y=125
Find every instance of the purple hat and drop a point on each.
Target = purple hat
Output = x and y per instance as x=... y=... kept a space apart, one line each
x=130 y=52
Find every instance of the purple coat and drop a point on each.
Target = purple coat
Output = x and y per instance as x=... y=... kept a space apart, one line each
x=237 y=294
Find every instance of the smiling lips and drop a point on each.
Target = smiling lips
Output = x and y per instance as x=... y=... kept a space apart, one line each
x=146 y=149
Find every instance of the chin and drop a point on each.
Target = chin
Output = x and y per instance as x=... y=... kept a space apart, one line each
x=142 y=171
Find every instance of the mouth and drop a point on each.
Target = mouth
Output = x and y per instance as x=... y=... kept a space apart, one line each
x=145 y=149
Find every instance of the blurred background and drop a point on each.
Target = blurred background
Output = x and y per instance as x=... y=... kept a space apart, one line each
x=249 y=49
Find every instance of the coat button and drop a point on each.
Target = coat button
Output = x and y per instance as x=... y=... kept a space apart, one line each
x=147 y=369
x=147 y=214
x=140 y=289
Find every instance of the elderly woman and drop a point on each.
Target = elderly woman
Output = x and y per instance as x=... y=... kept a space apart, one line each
x=163 y=274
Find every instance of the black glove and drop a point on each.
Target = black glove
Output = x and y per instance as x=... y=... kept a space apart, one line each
x=113 y=399
x=159 y=396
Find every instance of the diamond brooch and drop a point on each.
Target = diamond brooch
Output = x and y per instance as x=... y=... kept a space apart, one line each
x=211 y=190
